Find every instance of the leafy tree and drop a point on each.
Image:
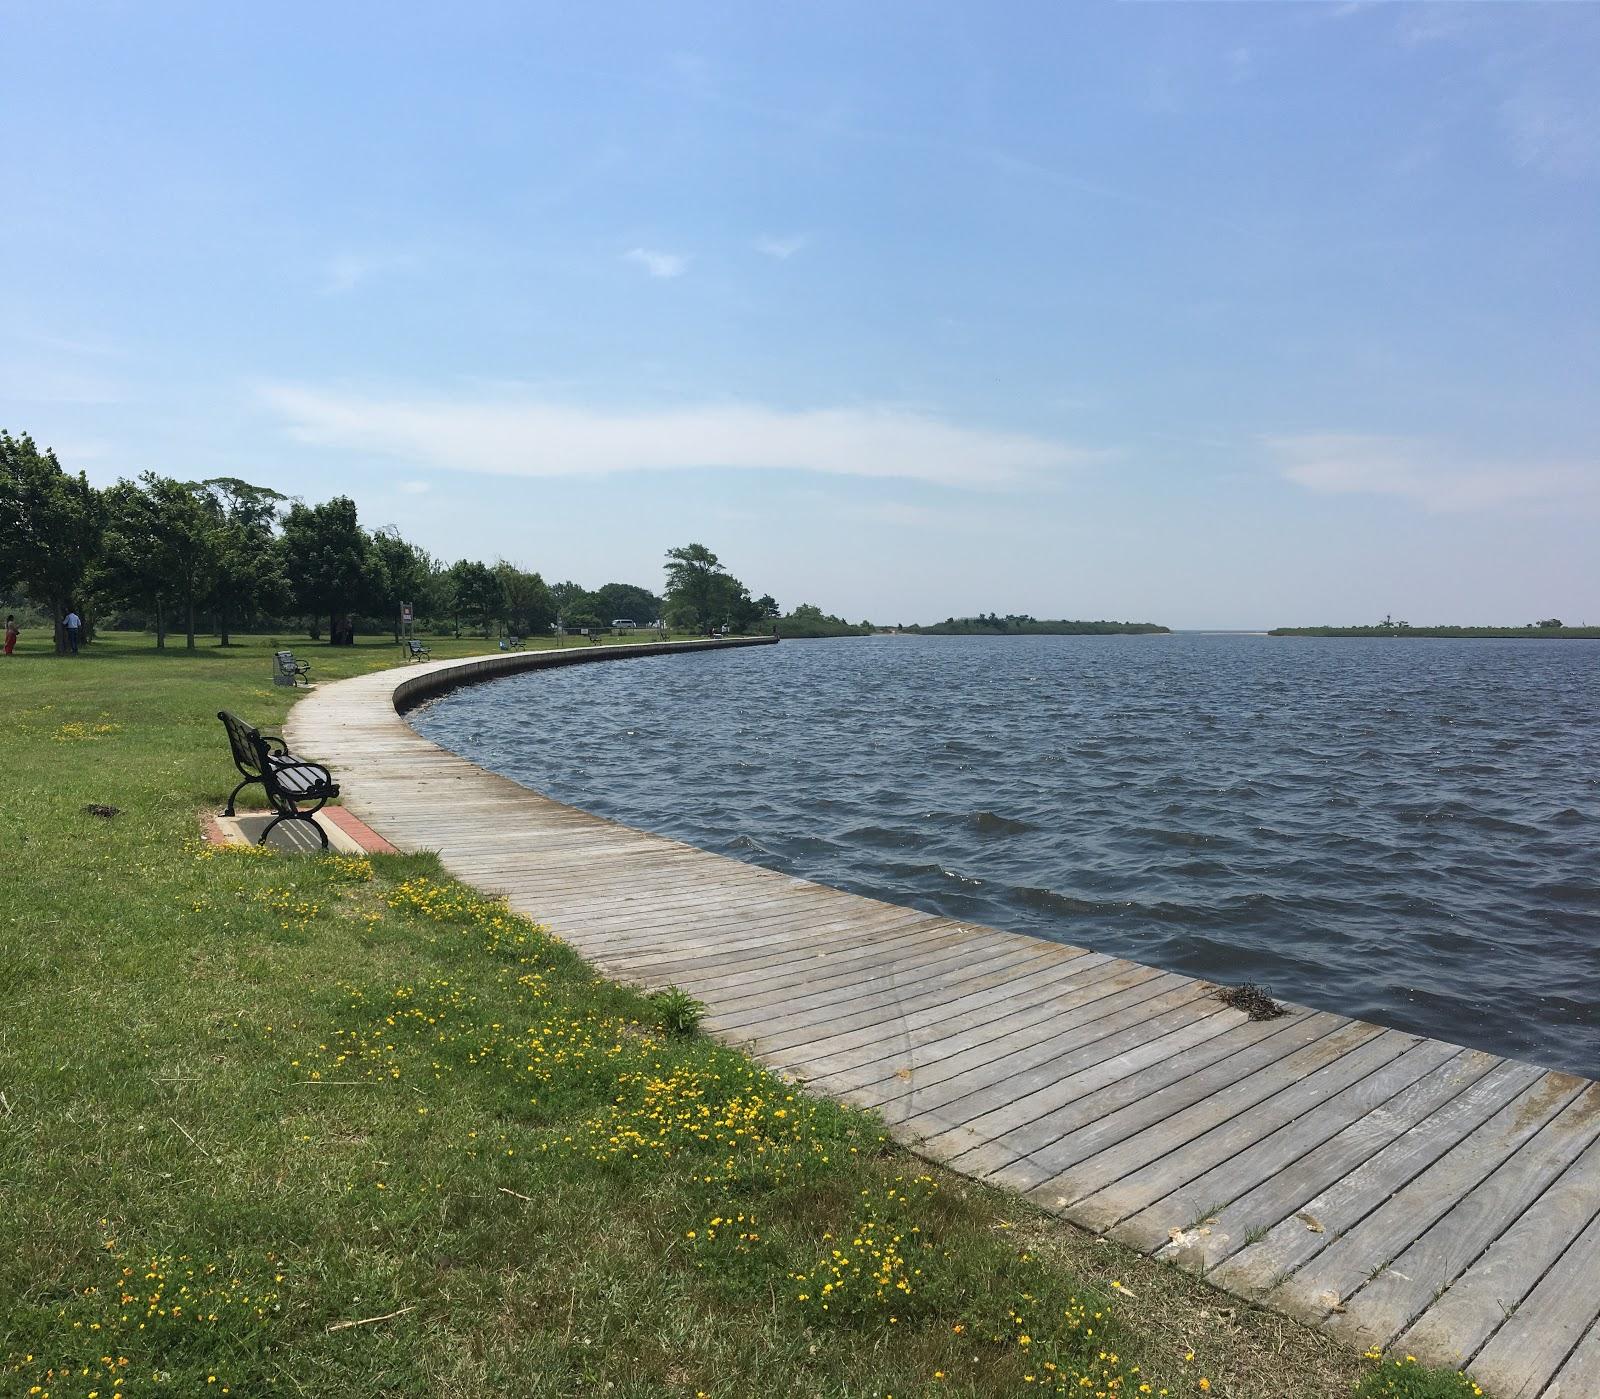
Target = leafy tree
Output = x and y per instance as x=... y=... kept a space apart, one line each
x=401 y=572
x=50 y=527
x=137 y=566
x=563 y=595
x=188 y=525
x=329 y=559
x=767 y=609
x=475 y=594
x=1550 y=624
x=696 y=581
x=249 y=575
x=525 y=600
x=617 y=600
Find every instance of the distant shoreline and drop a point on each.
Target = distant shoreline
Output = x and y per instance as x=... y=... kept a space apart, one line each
x=1471 y=633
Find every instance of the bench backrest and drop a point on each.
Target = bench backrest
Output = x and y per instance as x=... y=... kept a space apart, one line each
x=249 y=748
x=285 y=660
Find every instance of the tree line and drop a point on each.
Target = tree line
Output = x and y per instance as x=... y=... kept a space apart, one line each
x=170 y=555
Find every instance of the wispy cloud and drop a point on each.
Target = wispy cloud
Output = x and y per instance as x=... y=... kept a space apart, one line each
x=782 y=248
x=1425 y=473
x=1557 y=134
x=520 y=437
x=347 y=271
x=657 y=264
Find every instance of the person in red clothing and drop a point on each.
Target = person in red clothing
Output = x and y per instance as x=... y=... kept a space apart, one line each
x=11 y=634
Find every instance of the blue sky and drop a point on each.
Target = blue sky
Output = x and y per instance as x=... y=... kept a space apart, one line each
x=1208 y=314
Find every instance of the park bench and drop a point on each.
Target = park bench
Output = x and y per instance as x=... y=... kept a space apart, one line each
x=511 y=643
x=590 y=634
x=291 y=671
x=287 y=780
x=415 y=650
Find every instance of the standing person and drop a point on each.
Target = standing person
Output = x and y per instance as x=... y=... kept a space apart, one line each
x=11 y=634
x=74 y=624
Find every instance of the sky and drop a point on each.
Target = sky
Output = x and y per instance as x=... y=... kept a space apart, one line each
x=1229 y=315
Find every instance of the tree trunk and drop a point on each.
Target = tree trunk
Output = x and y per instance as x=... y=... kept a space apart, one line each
x=333 y=629
x=59 y=607
x=161 y=626
x=189 y=643
x=222 y=626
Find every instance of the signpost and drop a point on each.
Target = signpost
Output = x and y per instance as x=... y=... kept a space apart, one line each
x=405 y=621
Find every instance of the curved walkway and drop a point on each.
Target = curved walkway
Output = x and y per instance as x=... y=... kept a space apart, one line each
x=1394 y=1190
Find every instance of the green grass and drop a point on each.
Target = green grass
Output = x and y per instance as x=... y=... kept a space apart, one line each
x=250 y=1100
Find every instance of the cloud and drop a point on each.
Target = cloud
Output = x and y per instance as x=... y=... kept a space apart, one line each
x=782 y=248
x=1552 y=133
x=657 y=264
x=521 y=437
x=1422 y=472
x=348 y=271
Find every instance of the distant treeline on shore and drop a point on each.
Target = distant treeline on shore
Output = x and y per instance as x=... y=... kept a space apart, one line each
x=1023 y=625
x=1536 y=629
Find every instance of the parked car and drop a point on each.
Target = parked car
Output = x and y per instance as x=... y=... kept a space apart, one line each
x=624 y=624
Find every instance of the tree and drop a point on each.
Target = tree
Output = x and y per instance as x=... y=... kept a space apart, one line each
x=475 y=593
x=767 y=609
x=50 y=527
x=401 y=573
x=1550 y=624
x=249 y=565
x=329 y=557
x=525 y=600
x=694 y=584
x=564 y=595
x=619 y=600
x=187 y=524
x=137 y=566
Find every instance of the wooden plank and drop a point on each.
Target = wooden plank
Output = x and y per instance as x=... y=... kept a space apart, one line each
x=990 y=1000
x=1050 y=1145
x=1354 y=1257
x=1527 y=1351
x=939 y=1080
x=1114 y=1182
x=1228 y=1162
x=1291 y=1186
x=1386 y=1304
x=996 y=1140
x=1019 y=978
x=1037 y=1052
x=1579 y=1377
x=1255 y=1270
x=1493 y=1288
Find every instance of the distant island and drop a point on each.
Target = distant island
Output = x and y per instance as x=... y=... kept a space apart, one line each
x=1550 y=627
x=1022 y=625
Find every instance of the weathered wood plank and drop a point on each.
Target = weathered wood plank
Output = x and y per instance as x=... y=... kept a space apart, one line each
x=1290 y=1187
x=1386 y=1304
x=1493 y=1288
x=1530 y=1348
x=1233 y=1159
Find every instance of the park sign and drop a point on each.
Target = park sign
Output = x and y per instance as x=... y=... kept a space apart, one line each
x=405 y=611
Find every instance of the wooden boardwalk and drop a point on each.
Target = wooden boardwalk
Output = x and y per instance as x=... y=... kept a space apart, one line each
x=1395 y=1191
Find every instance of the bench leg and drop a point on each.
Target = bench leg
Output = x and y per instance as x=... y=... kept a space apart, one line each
x=228 y=810
x=306 y=816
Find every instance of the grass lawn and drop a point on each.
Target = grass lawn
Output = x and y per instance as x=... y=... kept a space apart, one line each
x=336 y=1126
